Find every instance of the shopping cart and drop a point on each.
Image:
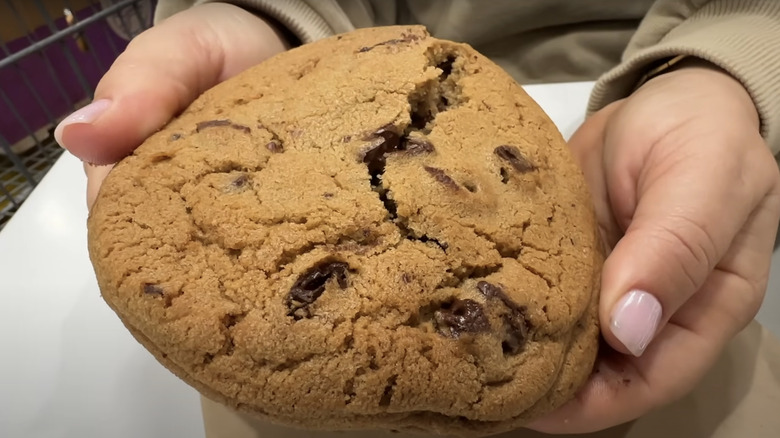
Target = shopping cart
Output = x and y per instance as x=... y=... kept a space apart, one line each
x=52 y=54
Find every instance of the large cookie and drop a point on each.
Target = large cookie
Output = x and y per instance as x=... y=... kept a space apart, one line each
x=376 y=230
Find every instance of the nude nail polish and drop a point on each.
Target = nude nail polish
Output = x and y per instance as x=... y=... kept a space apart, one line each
x=635 y=319
x=86 y=115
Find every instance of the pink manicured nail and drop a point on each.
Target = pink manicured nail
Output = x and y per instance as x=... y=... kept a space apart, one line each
x=87 y=114
x=635 y=319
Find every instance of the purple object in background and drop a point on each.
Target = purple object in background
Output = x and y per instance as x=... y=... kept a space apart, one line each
x=57 y=84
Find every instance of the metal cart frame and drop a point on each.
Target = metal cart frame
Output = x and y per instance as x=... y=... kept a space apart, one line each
x=27 y=145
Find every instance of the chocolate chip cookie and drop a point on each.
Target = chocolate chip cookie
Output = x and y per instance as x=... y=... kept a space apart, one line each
x=376 y=230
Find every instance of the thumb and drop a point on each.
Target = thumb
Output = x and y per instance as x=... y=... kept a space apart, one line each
x=681 y=209
x=161 y=72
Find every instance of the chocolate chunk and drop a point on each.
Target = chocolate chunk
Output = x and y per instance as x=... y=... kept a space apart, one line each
x=516 y=324
x=275 y=147
x=490 y=290
x=442 y=177
x=384 y=140
x=417 y=146
x=515 y=158
x=461 y=316
x=240 y=181
x=311 y=285
x=222 y=122
x=211 y=124
x=387 y=140
x=153 y=289
x=327 y=195
x=242 y=128
x=516 y=331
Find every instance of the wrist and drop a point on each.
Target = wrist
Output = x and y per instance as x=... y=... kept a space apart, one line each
x=284 y=35
x=709 y=78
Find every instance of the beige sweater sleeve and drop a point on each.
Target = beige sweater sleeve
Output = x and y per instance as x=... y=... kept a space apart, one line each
x=309 y=20
x=740 y=36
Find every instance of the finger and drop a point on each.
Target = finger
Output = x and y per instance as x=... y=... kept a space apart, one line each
x=622 y=387
x=586 y=144
x=745 y=267
x=95 y=176
x=160 y=73
x=621 y=390
x=687 y=208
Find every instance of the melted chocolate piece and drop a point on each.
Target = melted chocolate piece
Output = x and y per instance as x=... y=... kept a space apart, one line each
x=405 y=38
x=490 y=290
x=442 y=177
x=275 y=147
x=516 y=324
x=311 y=285
x=461 y=316
x=240 y=181
x=384 y=140
x=515 y=158
x=153 y=289
x=222 y=122
x=417 y=146
x=387 y=140
x=211 y=124
x=242 y=128
x=516 y=332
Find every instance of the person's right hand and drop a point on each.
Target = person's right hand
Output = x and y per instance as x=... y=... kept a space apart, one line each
x=159 y=74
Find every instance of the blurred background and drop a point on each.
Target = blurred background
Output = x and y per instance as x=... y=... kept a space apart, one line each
x=52 y=55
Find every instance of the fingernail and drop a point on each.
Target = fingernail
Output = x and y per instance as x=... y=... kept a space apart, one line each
x=86 y=114
x=635 y=319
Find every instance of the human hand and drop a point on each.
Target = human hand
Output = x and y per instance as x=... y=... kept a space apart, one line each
x=687 y=196
x=160 y=73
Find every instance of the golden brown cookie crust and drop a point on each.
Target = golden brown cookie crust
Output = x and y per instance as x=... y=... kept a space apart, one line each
x=380 y=229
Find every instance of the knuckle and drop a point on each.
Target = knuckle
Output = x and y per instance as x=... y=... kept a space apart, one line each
x=696 y=250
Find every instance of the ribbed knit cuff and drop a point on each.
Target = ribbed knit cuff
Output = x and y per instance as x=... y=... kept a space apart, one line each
x=741 y=37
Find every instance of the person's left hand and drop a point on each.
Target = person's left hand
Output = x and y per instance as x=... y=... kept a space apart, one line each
x=687 y=195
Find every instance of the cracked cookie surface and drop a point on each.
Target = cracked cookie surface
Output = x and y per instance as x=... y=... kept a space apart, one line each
x=376 y=230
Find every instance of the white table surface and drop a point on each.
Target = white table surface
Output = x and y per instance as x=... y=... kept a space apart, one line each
x=70 y=369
